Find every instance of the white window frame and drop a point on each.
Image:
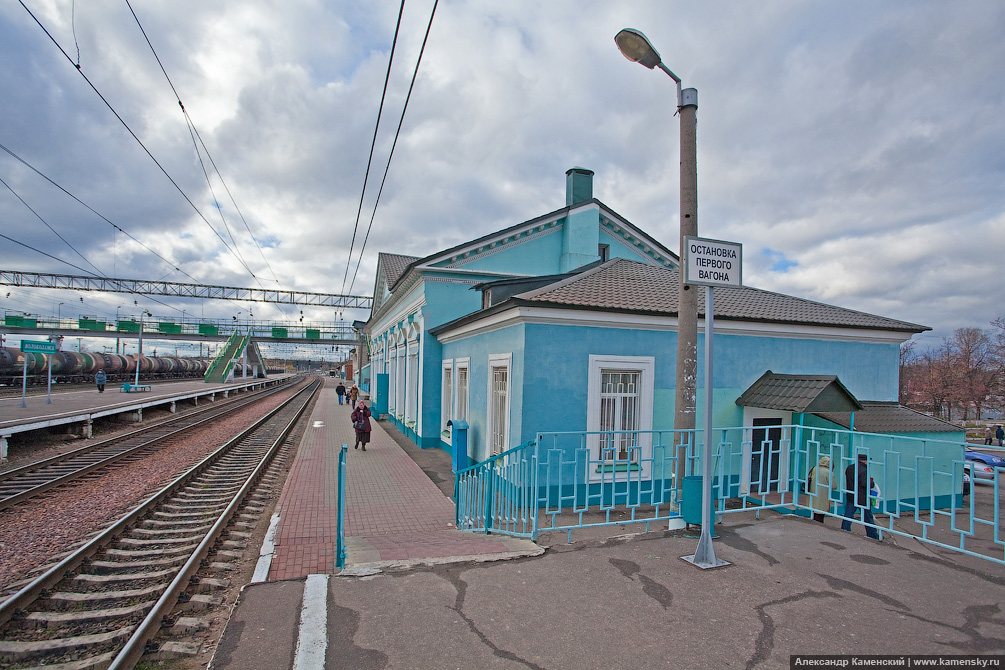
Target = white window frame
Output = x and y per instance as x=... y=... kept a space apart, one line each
x=446 y=398
x=646 y=366
x=462 y=364
x=412 y=386
x=400 y=361
x=498 y=361
x=392 y=382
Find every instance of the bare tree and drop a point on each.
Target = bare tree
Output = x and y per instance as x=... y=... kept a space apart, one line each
x=934 y=380
x=973 y=365
x=908 y=360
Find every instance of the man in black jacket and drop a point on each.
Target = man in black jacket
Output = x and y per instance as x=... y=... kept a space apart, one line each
x=340 y=390
x=856 y=494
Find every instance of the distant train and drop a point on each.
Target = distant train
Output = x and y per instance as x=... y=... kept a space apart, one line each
x=77 y=367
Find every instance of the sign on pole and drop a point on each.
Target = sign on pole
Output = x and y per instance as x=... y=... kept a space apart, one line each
x=712 y=262
x=709 y=263
x=35 y=347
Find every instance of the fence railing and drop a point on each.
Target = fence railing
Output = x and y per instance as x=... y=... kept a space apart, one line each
x=563 y=481
x=340 y=551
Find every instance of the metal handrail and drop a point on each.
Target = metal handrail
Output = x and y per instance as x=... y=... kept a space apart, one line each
x=340 y=550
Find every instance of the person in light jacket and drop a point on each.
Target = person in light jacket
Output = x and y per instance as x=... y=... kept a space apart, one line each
x=820 y=481
x=361 y=424
x=353 y=393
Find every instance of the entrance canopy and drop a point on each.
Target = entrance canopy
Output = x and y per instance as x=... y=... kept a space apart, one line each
x=799 y=393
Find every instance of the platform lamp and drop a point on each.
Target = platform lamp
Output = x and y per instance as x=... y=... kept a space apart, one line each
x=636 y=47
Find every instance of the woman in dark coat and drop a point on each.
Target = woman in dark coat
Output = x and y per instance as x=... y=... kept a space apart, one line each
x=361 y=423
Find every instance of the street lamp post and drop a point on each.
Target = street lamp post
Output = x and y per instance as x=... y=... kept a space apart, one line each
x=59 y=314
x=636 y=47
x=139 y=353
x=117 y=329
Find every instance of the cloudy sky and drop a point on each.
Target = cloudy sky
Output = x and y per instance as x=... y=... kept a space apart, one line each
x=855 y=149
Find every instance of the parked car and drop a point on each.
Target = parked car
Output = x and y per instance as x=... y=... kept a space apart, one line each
x=983 y=465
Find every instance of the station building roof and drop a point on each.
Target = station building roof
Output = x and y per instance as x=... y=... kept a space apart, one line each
x=627 y=286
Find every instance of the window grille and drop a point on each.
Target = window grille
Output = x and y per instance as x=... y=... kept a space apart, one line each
x=619 y=402
x=462 y=394
x=499 y=409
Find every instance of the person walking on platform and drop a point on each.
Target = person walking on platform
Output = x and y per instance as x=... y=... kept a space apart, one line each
x=856 y=494
x=361 y=424
x=819 y=484
x=987 y=435
x=1000 y=434
x=340 y=390
x=99 y=380
x=353 y=395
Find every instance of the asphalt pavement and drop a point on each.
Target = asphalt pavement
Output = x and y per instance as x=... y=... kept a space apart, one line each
x=792 y=587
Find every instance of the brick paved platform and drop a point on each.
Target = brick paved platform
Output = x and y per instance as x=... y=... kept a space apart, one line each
x=394 y=514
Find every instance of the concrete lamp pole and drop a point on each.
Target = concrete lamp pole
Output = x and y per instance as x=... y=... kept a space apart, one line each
x=139 y=354
x=636 y=47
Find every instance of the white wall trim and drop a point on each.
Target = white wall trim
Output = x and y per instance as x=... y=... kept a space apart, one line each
x=747 y=445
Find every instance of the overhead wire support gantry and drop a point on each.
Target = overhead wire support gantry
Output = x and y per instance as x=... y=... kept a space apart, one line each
x=178 y=289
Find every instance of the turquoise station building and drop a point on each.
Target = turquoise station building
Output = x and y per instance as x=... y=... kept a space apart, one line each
x=568 y=322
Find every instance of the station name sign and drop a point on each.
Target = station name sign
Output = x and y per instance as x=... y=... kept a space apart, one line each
x=712 y=262
x=33 y=347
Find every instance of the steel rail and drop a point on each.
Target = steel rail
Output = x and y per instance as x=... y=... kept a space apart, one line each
x=214 y=413
x=33 y=590
x=130 y=654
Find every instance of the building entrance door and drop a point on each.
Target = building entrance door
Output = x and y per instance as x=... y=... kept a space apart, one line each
x=765 y=454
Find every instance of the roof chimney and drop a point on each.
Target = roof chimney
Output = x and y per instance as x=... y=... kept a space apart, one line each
x=578 y=186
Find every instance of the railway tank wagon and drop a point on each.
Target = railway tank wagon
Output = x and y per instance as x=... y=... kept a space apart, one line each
x=80 y=367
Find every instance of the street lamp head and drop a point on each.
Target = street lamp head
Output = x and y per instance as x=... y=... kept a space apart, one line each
x=636 y=47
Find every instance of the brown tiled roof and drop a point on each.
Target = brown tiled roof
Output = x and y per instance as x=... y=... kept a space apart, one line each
x=629 y=286
x=394 y=266
x=882 y=417
x=799 y=393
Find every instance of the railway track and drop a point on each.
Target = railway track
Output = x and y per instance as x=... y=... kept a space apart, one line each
x=30 y=480
x=101 y=605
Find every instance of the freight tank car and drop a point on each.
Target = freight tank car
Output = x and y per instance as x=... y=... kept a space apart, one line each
x=80 y=367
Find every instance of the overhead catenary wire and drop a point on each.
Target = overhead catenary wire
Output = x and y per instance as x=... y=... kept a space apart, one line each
x=57 y=258
x=95 y=274
x=373 y=143
x=54 y=231
x=117 y=228
x=172 y=264
x=136 y=137
x=194 y=133
x=394 y=144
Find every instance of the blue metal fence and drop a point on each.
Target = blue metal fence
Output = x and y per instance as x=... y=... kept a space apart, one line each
x=340 y=552
x=566 y=481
